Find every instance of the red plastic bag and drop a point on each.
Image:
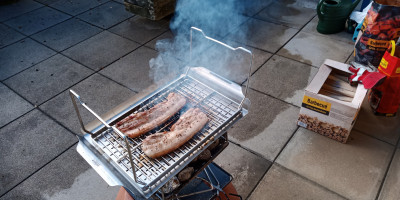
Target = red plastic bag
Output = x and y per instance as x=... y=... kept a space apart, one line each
x=390 y=63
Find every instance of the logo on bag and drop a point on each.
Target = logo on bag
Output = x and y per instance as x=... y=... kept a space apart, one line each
x=378 y=43
x=384 y=63
x=316 y=105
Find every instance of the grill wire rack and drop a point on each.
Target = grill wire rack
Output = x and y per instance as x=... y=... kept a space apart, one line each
x=125 y=155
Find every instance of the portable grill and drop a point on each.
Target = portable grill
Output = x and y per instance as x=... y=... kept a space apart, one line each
x=119 y=160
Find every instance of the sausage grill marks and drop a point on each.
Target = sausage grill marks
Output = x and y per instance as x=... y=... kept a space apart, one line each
x=139 y=123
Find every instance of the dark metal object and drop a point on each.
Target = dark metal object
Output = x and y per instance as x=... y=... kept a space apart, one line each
x=120 y=160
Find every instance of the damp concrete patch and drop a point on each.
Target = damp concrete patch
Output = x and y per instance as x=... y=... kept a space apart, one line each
x=283 y=78
x=67 y=177
x=267 y=127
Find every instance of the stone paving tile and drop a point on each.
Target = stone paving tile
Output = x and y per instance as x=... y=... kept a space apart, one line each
x=287 y=13
x=267 y=127
x=132 y=70
x=27 y=144
x=46 y=2
x=171 y=45
x=74 y=7
x=67 y=177
x=48 y=78
x=276 y=78
x=106 y=15
x=246 y=168
x=313 y=49
x=21 y=55
x=253 y=7
x=37 y=20
x=384 y=128
x=280 y=183
x=167 y=37
x=100 y=50
x=342 y=36
x=66 y=34
x=17 y=8
x=140 y=29
x=390 y=190
x=99 y=93
x=12 y=105
x=233 y=65
x=263 y=35
x=354 y=170
x=8 y=36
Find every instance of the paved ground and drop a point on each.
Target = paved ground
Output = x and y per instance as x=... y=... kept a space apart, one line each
x=102 y=52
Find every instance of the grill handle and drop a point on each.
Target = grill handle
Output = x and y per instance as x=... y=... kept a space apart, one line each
x=229 y=47
x=75 y=96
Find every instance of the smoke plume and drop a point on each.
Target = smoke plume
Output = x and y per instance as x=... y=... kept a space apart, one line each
x=222 y=20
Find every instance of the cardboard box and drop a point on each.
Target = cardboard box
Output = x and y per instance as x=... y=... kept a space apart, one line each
x=330 y=105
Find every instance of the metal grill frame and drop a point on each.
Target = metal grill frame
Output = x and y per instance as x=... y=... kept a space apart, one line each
x=187 y=155
x=110 y=170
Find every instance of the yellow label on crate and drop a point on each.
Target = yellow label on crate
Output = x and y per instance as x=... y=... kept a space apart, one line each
x=398 y=70
x=378 y=43
x=316 y=105
x=384 y=63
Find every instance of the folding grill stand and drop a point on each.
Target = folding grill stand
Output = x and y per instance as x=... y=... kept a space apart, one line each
x=107 y=169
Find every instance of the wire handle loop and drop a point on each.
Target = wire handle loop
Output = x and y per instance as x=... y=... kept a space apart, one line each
x=229 y=47
x=75 y=96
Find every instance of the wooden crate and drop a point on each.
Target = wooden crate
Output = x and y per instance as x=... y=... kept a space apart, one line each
x=151 y=9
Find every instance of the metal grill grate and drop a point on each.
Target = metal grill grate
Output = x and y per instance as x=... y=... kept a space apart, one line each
x=151 y=173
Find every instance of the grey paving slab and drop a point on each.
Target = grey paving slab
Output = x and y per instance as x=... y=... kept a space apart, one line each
x=280 y=184
x=67 y=177
x=175 y=45
x=390 y=189
x=106 y=15
x=313 y=49
x=47 y=79
x=100 y=50
x=312 y=28
x=284 y=79
x=98 y=92
x=305 y=3
x=133 y=70
x=263 y=35
x=384 y=128
x=166 y=37
x=74 y=7
x=37 y=20
x=246 y=168
x=46 y=2
x=354 y=170
x=140 y=29
x=267 y=127
x=351 y=58
x=253 y=7
x=21 y=55
x=287 y=12
x=17 y=8
x=12 y=105
x=8 y=35
x=28 y=144
x=66 y=34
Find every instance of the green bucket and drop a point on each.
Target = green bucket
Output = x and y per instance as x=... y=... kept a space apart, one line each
x=333 y=14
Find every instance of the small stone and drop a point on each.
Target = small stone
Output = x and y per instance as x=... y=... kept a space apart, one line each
x=185 y=174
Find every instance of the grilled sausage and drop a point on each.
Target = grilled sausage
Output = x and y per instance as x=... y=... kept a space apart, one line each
x=186 y=127
x=139 y=123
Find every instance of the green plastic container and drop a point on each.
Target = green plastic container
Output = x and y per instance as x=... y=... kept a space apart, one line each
x=333 y=14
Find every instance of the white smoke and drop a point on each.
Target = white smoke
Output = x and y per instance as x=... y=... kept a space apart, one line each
x=218 y=19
